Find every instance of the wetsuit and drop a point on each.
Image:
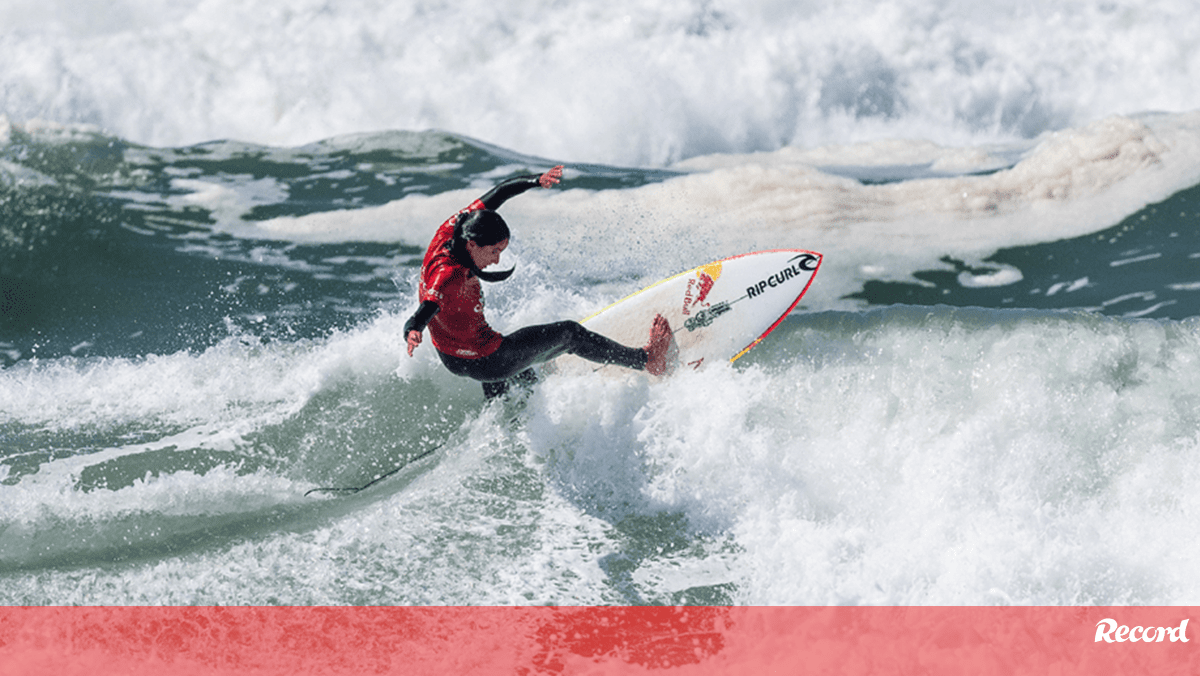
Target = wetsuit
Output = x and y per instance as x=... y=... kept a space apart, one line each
x=452 y=308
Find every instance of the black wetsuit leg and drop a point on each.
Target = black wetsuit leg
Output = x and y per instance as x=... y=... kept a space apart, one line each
x=537 y=344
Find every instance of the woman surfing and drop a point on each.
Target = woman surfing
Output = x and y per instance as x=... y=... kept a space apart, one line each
x=451 y=305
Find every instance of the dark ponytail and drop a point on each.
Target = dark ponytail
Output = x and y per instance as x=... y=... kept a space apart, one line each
x=485 y=228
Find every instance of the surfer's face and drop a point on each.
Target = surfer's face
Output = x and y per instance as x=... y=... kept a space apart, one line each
x=484 y=256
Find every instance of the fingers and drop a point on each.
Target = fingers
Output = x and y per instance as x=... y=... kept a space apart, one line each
x=413 y=339
x=551 y=177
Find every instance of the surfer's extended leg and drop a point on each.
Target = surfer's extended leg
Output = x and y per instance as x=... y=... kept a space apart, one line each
x=538 y=344
x=548 y=341
x=541 y=343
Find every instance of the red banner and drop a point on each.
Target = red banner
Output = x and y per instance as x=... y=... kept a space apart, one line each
x=298 y=641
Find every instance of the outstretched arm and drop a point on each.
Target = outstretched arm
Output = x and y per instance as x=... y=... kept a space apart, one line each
x=515 y=186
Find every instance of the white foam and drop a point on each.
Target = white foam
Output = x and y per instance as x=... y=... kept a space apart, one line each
x=899 y=456
x=984 y=459
x=1001 y=276
x=231 y=384
x=621 y=82
x=1068 y=287
x=1067 y=185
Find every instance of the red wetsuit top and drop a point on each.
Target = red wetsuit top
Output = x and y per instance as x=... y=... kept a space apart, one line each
x=450 y=291
x=459 y=328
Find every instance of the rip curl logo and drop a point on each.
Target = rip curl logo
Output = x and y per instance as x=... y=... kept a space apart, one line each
x=1109 y=631
x=797 y=267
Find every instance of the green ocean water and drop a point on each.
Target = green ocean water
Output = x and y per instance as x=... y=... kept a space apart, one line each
x=180 y=368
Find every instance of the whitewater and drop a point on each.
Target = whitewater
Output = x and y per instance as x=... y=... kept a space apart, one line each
x=212 y=215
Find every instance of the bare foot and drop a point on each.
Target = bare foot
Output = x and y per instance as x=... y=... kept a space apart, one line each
x=662 y=351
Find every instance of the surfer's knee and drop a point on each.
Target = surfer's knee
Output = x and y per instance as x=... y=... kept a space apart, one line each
x=568 y=333
x=577 y=329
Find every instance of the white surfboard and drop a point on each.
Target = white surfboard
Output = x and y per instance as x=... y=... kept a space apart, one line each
x=717 y=311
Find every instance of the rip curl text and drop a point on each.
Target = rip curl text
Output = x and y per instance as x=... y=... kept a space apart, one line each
x=796 y=268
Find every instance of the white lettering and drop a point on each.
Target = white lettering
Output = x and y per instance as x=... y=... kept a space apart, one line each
x=1179 y=634
x=1109 y=631
x=1104 y=630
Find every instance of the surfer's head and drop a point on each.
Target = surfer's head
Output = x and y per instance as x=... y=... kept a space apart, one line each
x=479 y=238
x=483 y=227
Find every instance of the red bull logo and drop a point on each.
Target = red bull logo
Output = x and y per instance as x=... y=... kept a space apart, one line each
x=700 y=286
x=705 y=285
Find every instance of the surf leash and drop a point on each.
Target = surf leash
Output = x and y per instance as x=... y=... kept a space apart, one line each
x=354 y=489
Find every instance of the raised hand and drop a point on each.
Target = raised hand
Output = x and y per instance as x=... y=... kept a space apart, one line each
x=551 y=177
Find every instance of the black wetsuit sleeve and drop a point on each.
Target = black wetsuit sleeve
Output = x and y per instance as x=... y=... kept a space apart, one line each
x=509 y=189
x=421 y=317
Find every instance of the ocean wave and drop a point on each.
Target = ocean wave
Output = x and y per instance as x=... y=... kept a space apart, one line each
x=904 y=455
x=620 y=84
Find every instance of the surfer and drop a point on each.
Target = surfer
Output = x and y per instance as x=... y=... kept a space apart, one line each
x=451 y=306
